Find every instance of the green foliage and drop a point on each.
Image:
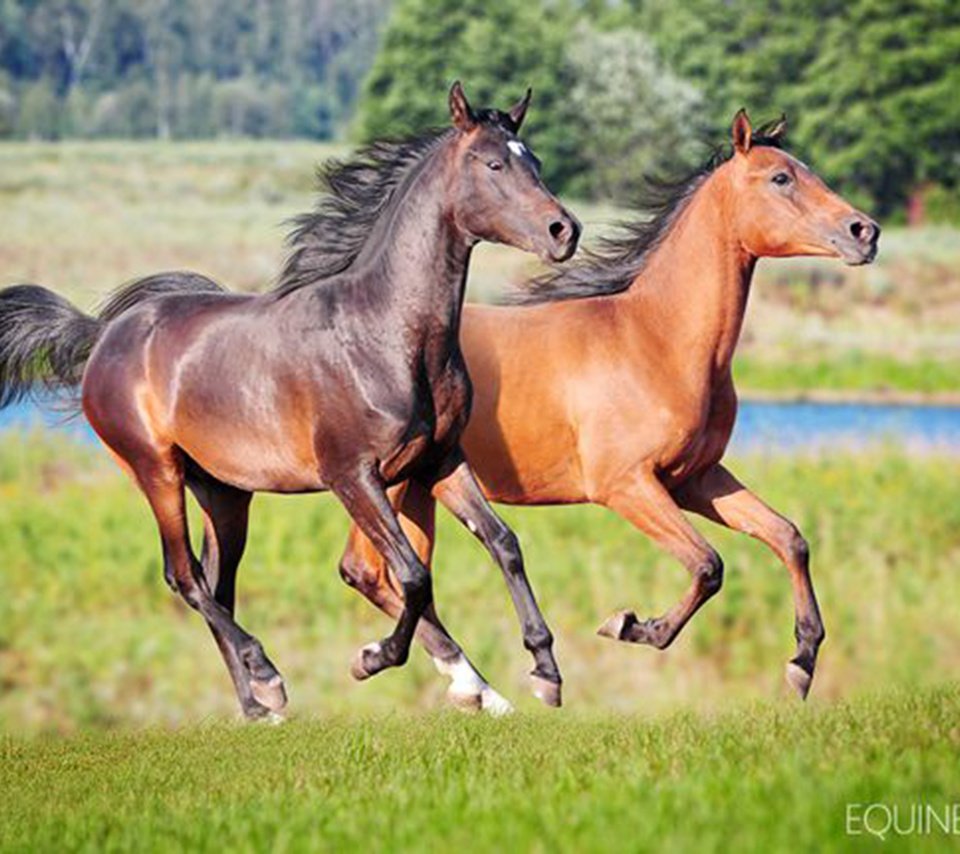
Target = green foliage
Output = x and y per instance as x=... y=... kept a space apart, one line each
x=879 y=104
x=497 y=50
x=869 y=86
x=184 y=68
x=634 y=118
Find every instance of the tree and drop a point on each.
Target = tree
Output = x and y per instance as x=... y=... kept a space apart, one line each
x=637 y=118
x=880 y=105
x=496 y=49
x=869 y=86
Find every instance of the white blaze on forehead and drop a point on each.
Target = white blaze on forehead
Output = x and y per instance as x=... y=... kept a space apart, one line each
x=517 y=147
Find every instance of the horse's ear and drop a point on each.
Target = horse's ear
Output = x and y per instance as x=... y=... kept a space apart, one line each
x=741 y=132
x=519 y=110
x=460 y=110
x=779 y=130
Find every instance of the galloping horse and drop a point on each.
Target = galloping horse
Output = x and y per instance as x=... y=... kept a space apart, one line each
x=613 y=384
x=347 y=377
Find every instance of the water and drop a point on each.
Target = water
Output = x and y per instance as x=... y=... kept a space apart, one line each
x=802 y=425
x=761 y=426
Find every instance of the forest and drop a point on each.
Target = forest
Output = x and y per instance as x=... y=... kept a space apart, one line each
x=623 y=88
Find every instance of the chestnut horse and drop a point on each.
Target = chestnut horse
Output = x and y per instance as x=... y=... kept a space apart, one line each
x=347 y=377
x=614 y=386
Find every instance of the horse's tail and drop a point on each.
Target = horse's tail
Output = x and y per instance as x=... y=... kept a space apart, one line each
x=45 y=340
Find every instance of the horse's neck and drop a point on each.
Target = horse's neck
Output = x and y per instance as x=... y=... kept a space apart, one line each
x=694 y=287
x=422 y=256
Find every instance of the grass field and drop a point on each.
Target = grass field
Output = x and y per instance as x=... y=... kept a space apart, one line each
x=762 y=778
x=90 y=637
x=117 y=719
x=83 y=217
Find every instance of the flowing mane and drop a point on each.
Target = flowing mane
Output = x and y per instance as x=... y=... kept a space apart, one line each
x=614 y=264
x=354 y=194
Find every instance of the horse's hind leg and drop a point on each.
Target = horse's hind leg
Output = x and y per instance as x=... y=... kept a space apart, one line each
x=161 y=477
x=364 y=569
x=644 y=502
x=225 y=517
x=720 y=497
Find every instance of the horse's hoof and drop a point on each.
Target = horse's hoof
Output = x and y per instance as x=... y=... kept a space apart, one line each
x=269 y=693
x=617 y=625
x=266 y=719
x=547 y=692
x=494 y=704
x=465 y=702
x=798 y=679
x=361 y=668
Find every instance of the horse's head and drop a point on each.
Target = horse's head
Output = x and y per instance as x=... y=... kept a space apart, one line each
x=782 y=208
x=499 y=195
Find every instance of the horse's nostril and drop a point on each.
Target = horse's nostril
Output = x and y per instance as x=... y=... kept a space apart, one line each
x=558 y=229
x=863 y=230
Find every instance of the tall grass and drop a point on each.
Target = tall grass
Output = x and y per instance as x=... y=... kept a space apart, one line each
x=90 y=636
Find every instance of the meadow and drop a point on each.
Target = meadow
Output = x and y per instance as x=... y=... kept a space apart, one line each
x=118 y=721
x=122 y=732
x=82 y=217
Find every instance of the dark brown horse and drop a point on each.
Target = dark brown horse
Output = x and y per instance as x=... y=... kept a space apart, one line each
x=614 y=385
x=347 y=377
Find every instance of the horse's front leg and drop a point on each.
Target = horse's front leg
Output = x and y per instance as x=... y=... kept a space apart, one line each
x=642 y=500
x=365 y=499
x=364 y=569
x=458 y=491
x=719 y=496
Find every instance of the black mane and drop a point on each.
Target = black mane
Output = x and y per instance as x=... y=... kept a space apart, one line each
x=614 y=264
x=355 y=192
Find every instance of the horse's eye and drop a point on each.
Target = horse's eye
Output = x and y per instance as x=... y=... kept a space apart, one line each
x=781 y=179
x=495 y=165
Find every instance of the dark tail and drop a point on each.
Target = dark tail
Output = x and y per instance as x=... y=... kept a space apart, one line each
x=45 y=341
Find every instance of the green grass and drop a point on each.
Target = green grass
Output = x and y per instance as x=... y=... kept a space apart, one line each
x=762 y=778
x=90 y=636
x=853 y=372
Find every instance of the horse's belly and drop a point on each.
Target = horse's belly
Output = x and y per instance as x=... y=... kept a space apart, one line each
x=255 y=462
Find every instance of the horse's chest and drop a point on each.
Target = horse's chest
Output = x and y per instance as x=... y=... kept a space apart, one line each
x=435 y=426
x=694 y=444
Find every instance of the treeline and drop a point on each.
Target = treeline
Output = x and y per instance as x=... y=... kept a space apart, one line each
x=871 y=87
x=183 y=68
x=623 y=88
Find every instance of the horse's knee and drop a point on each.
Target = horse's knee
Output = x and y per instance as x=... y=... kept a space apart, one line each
x=795 y=547
x=709 y=573
x=417 y=588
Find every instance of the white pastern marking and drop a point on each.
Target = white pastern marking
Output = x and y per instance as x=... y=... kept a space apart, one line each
x=471 y=526
x=494 y=704
x=464 y=679
x=517 y=147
